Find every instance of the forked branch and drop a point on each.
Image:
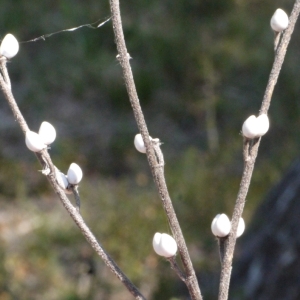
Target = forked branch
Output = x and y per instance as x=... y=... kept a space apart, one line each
x=46 y=162
x=250 y=154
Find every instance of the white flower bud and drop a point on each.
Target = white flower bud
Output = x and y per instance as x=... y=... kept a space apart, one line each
x=241 y=227
x=34 y=142
x=74 y=174
x=62 y=181
x=9 y=46
x=262 y=124
x=249 y=128
x=164 y=244
x=47 y=133
x=279 y=21
x=255 y=127
x=139 y=143
x=221 y=225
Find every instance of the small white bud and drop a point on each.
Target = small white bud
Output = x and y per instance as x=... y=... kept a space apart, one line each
x=262 y=125
x=74 y=174
x=221 y=225
x=47 y=133
x=164 y=244
x=139 y=143
x=156 y=243
x=241 y=227
x=34 y=142
x=249 y=128
x=9 y=46
x=279 y=21
x=62 y=181
x=256 y=127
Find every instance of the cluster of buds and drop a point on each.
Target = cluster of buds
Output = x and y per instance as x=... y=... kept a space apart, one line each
x=73 y=177
x=221 y=226
x=255 y=127
x=36 y=142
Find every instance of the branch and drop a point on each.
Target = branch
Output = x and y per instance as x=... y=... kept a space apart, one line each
x=175 y=267
x=156 y=169
x=250 y=153
x=46 y=162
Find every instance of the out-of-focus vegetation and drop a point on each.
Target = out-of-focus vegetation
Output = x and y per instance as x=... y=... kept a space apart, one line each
x=201 y=68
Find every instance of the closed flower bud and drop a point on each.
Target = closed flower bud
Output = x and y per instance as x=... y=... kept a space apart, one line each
x=9 y=46
x=62 y=181
x=74 y=174
x=221 y=225
x=139 y=143
x=279 y=21
x=249 y=128
x=255 y=127
x=241 y=227
x=34 y=142
x=164 y=244
x=47 y=133
x=262 y=125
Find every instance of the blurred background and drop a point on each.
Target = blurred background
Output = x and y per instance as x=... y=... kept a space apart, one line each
x=201 y=68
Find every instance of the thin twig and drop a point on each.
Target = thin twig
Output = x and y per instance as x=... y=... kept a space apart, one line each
x=277 y=36
x=250 y=154
x=74 y=189
x=10 y=99
x=46 y=162
x=176 y=268
x=4 y=72
x=221 y=244
x=157 y=171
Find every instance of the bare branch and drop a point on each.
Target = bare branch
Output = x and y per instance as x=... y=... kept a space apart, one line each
x=4 y=72
x=176 y=268
x=6 y=89
x=250 y=154
x=74 y=189
x=46 y=162
x=157 y=172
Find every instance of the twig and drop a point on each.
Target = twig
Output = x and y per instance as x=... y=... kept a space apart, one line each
x=175 y=267
x=10 y=99
x=46 y=162
x=157 y=172
x=250 y=154
x=221 y=244
x=4 y=71
x=277 y=36
x=74 y=189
